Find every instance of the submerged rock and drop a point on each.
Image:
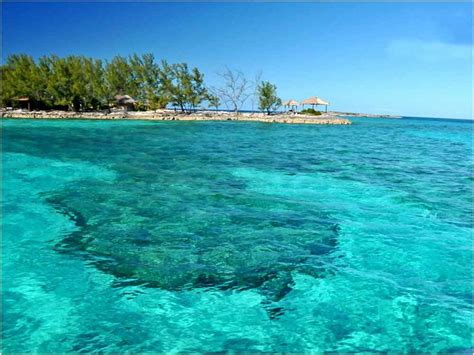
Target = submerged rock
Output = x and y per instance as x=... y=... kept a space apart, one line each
x=174 y=252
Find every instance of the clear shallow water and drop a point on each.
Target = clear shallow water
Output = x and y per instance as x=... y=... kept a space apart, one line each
x=231 y=236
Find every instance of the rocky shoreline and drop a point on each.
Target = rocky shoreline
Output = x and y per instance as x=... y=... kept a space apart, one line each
x=170 y=115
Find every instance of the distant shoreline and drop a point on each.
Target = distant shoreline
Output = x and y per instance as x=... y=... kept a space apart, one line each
x=171 y=115
x=369 y=115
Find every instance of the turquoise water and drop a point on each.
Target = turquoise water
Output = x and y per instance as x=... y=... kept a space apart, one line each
x=134 y=236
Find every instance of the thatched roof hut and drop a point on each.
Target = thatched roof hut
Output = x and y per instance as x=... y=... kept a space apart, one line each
x=125 y=101
x=315 y=101
x=290 y=103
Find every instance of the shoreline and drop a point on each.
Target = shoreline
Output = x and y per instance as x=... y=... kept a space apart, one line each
x=365 y=115
x=171 y=115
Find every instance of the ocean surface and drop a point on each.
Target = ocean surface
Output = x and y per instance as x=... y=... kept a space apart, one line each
x=139 y=236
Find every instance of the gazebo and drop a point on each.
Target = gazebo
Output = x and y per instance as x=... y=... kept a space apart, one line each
x=315 y=101
x=126 y=102
x=290 y=103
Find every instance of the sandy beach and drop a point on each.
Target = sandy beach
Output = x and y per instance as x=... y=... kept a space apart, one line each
x=171 y=115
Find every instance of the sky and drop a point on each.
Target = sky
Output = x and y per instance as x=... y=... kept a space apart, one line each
x=411 y=59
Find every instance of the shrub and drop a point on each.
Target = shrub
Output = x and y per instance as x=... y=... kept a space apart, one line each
x=310 y=111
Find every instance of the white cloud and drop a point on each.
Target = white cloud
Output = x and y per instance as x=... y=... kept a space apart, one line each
x=433 y=51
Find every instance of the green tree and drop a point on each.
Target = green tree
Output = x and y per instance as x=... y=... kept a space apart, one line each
x=119 y=79
x=97 y=91
x=83 y=83
x=181 y=87
x=59 y=85
x=268 y=99
x=199 y=92
x=144 y=72
x=213 y=101
x=80 y=94
x=169 y=85
x=5 y=95
x=157 y=102
x=44 y=73
x=20 y=78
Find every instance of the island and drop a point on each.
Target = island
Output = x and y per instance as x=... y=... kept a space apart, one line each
x=171 y=115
